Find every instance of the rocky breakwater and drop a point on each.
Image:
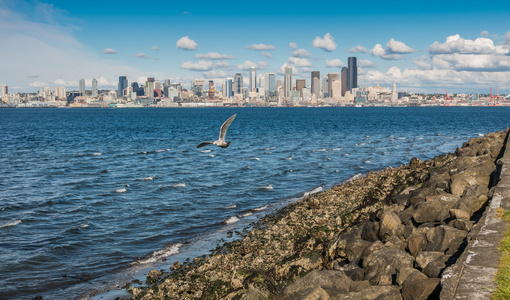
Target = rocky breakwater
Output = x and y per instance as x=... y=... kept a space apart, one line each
x=388 y=235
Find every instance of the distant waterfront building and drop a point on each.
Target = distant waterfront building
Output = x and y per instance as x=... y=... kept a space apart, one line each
x=94 y=88
x=246 y=93
x=137 y=89
x=82 y=87
x=332 y=77
x=287 y=81
x=253 y=79
x=150 y=86
x=300 y=84
x=336 y=89
x=352 y=78
x=238 y=83
x=60 y=93
x=123 y=83
x=325 y=87
x=270 y=86
x=316 y=83
x=44 y=91
x=228 y=88
x=344 y=75
x=394 y=95
x=5 y=92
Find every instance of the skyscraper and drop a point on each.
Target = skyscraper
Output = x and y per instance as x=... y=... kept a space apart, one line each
x=325 y=86
x=238 y=84
x=300 y=84
x=253 y=79
x=150 y=86
x=228 y=88
x=331 y=78
x=123 y=83
x=394 y=95
x=270 y=82
x=352 y=78
x=5 y=92
x=316 y=83
x=287 y=81
x=60 y=92
x=344 y=76
x=94 y=87
x=82 y=87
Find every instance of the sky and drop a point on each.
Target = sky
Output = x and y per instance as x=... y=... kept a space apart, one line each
x=422 y=46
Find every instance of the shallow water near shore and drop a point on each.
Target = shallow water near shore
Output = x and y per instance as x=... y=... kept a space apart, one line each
x=90 y=197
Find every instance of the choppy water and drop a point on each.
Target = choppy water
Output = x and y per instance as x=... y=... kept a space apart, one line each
x=89 y=192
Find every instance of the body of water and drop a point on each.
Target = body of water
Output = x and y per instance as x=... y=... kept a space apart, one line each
x=89 y=195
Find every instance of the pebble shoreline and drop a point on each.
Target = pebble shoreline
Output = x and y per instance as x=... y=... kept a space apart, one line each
x=387 y=235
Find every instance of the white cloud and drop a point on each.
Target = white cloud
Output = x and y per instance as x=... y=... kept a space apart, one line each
x=260 y=47
x=266 y=54
x=186 y=43
x=358 y=49
x=334 y=63
x=246 y=65
x=397 y=47
x=214 y=74
x=156 y=48
x=62 y=82
x=200 y=65
x=38 y=84
x=141 y=55
x=327 y=43
x=378 y=50
x=293 y=45
x=302 y=53
x=109 y=51
x=423 y=63
x=456 y=44
x=484 y=33
x=365 y=63
x=473 y=62
x=299 y=62
x=214 y=55
x=221 y=64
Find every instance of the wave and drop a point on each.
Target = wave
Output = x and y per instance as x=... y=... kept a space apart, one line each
x=254 y=158
x=267 y=187
x=142 y=152
x=336 y=149
x=481 y=134
x=346 y=154
x=96 y=153
x=354 y=177
x=211 y=155
x=157 y=255
x=260 y=208
x=148 y=178
x=179 y=185
x=270 y=148
x=367 y=161
x=161 y=150
x=246 y=214
x=319 y=150
x=206 y=151
x=105 y=171
x=11 y=223
x=288 y=158
x=231 y=220
x=314 y=191
x=231 y=206
x=121 y=190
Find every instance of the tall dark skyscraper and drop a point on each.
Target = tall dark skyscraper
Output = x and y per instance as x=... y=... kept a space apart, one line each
x=343 y=77
x=123 y=83
x=316 y=83
x=352 y=78
x=238 y=83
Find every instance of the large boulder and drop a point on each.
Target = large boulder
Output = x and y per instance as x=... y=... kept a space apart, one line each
x=426 y=257
x=443 y=238
x=416 y=243
x=325 y=279
x=385 y=262
x=473 y=198
x=421 y=289
x=375 y=292
x=388 y=224
x=435 y=208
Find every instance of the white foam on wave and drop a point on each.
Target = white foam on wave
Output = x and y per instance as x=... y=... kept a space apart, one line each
x=157 y=255
x=231 y=220
x=121 y=190
x=267 y=187
x=346 y=154
x=96 y=153
x=288 y=158
x=319 y=150
x=420 y=138
x=11 y=223
x=314 y=191
x=336 y=149
x=142 y=152
x=254 y=158
x=231 y=206
x=246 y=214
x=260 y=208
x=354 y=177
x=270 y=148
x=481 y=134
x=179 y=185
x=85 y=225
x=148 y=178
x=160 y=150
x=211 y=155
x=367 y=161
x=206 y=151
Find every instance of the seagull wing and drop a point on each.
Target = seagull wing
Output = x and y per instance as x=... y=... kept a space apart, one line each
x=204 y=144
x=224 y=127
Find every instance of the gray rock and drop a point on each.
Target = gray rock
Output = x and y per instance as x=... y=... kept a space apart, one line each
x=359 y=285
x=416 y=243
x=325 y=279
x=411 y=273
x=421 y=289
x=462 y=224
x=436 y=267
x=426 y=257
x=441 y=238
x=385 y=262
x=372 y=293
x=459 y=214
x=355 y=248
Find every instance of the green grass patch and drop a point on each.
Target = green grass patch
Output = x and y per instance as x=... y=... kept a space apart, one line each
x=503 y=275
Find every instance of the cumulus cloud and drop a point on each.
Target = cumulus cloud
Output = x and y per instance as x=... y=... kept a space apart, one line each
x=141 y=55
x=156 y=48
x=260 y=47
x=200 y=65
x=293 y=45
x=334 y=63
x=423 y=63
x=327 y=43
x=109 y=51
x=358 y=49
x=38 y=84
x=246 y=65
x=214 y=74
x=186 y=43
x=266 y=54
x=473 y=62
x=378 y=50
x=393 y=50
x=456 y=44
x=365 y=63
x=299 y=62
x=214 y=55
x=484 y=33
x=302 y=53
x=222 y=65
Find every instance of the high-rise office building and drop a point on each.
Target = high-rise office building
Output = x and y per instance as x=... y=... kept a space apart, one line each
x=270 y=82
x=394 y=95
x=352 y=78
x=344 y=75
x=300 y=84
x=228 y=88
x=82 y=87
x=150 y=86
x=331 y=78
x=325 y=86
x=316 y=83
x=123 y=83
x=5 y=92
x=287 y=81
x=94 y=88
x=253 y=79
x=238 y=84
x=60 y=92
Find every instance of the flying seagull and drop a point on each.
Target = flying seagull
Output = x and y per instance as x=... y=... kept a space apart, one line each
x=223 y=131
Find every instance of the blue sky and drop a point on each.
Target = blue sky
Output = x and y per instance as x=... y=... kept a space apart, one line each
x=428 y=46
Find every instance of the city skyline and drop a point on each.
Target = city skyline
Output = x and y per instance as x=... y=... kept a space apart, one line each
x=429 y=47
